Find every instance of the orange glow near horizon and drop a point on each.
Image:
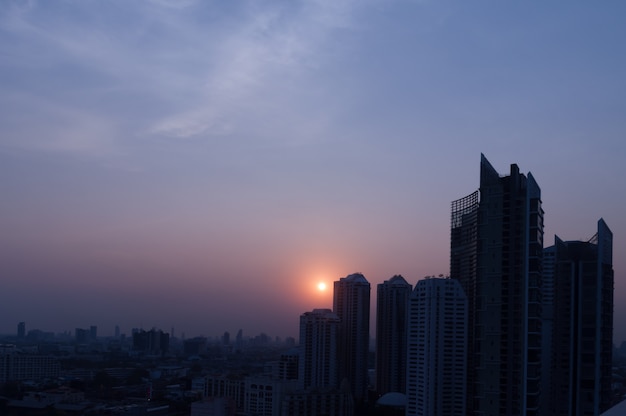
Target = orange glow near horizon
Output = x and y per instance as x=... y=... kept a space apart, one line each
x=314 y=290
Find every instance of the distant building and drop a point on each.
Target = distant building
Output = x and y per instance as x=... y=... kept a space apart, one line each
x=319 y=338
x=153 y=342
x=437 y=342
x=81 y=336
x=286 y=368
x=21 y=330
x=16 y=366
x=392 y=303
x=351 y=303
x=495 y=253
x=582 y=333
x=227 y=385
x=239 y=339
x=194 y=346
x=93 y=333
x=264 y=396
x=317 y=402
x=214 y=406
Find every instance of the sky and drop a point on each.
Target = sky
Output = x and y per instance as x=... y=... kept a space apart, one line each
x=202 y=165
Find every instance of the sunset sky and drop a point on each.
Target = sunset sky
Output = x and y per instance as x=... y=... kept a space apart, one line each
x=203 y=165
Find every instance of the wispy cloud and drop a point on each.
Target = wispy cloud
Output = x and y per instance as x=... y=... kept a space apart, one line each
x=167 y=68
x=257 y=65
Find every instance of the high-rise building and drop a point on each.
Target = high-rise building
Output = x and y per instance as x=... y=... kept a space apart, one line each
x=93 y=333
x=351 y=302
x=392 y=302
x=437 y=342
x=154 y=342
x=582 y=333
x=21 y=330
x=547 y=326
x=318 y=349
x=495 y=253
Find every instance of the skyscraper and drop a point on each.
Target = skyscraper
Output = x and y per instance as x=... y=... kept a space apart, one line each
x=351 y=303
x=318 y=349
x=437 y=341
x=582 y=334
x=496 y=250
x=392 y=302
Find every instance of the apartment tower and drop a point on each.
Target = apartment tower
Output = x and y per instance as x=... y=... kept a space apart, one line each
x=318 y=349
x=496 y=251
x=392 y=302
x=582 y=334
x=351 y=303
x=437 y=342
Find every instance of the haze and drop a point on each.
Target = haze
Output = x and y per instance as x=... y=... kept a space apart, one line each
x=203 y=165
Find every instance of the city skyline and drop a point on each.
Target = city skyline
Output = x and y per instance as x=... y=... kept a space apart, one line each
x=205 y=166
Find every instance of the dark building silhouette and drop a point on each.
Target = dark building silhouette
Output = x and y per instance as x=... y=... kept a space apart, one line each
x=351 y=303
x=81 y=336
x=496 y=250
x=153 y=342
x=194 y=346
x=93 y=332
x=319 y=343
x=582 y=330
x=287 y=366
x=392 y=301
x=21 y=330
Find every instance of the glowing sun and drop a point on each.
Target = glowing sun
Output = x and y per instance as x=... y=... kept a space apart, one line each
x=321 y=286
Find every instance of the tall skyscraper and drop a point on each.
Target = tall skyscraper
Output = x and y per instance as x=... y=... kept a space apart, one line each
x=392 y=302
x=582 y=334
x=495 y=253
x=318 y=349
x=351 y=302
x=437 y=341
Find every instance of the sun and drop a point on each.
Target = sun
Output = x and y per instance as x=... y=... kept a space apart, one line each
x=321 y=286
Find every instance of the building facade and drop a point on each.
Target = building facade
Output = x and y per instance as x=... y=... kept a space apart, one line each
x=319 y=345
x=496 y=252
x=17 y=366
x=392 y=302
x=437 y=342
x=582 y=331
x=351 y=303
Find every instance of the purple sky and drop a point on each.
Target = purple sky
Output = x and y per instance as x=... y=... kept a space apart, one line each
x=203 y=164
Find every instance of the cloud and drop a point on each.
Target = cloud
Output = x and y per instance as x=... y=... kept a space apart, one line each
x=166 y=68
x=262 y=69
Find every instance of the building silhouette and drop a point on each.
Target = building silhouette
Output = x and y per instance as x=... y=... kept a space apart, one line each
x=582 y=331
x=21 y=330
x=351 y=303
x=437 y=341
x=18 y=366
x=496 y=251
x=153 y=342
x=319 y=343
x=81 y=335
x=392 y=302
